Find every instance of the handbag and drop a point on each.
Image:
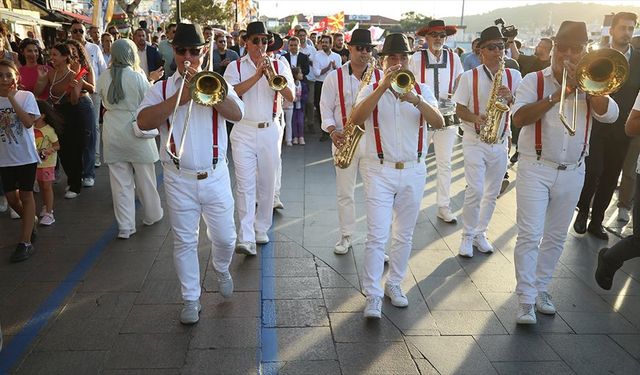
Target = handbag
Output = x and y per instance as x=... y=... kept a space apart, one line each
x=145 y=134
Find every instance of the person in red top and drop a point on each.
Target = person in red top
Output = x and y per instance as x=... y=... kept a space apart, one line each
x=31 y=60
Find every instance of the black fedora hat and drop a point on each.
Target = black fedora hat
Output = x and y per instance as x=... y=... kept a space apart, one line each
x=490 y=33
x=360 y=37
x=188 y=35
x=256 y=28
x=572 y=32
x=436 y=26
x=275 y=42
x=395 y=43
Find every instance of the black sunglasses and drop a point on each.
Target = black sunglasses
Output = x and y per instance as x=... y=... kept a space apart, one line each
x=258 y=40
x=565 y=47
x=75 y=31
x=493 y=46
x=438 y=35
x=364 y=48
x=193 y=51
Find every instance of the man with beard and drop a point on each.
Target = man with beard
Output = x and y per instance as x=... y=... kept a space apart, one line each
x=324 y=61
x=339 y=48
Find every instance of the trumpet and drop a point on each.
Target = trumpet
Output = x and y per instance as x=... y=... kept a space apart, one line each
x=598 y=73
x=402 y=81
x=276 y=82
x=207 y=88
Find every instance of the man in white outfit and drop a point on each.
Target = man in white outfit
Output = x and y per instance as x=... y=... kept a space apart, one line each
x=440 y=69
x=196 y=180
x=255 y=138
x=550 y=167
x=484 y=163
x=395 y=133
x=339 y=94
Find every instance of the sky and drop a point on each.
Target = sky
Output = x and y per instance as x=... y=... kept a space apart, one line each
x=395 y=8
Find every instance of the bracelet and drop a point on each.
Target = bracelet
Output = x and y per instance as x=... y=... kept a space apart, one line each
x=331 y=132
x=550 y=98
x=419 y=101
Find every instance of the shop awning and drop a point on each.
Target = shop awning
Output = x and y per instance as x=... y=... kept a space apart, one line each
x=26 y=19
x=78 y=16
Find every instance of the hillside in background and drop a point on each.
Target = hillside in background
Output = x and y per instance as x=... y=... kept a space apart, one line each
x=533 y=17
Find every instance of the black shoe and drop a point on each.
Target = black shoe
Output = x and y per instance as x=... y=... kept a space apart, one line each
x=598 y=231
x=504 y=185
x=23 y=252
x=514 y=158
x=580 y=225
x=324 y=137
x=605 y=271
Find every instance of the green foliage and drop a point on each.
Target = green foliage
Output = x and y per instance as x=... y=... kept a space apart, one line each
x=412 y=21
x=207 y=12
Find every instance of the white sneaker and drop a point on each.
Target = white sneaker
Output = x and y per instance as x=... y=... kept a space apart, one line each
x=386 y=258
x=623 y=215
x=124 y=234
x=295 y=141
x=482 y=243
x=190 y=313
x=43 y=211
x=277 y=204
x=47 y=219
x=14 y=214
x=466 y=247
x=373 y=309
x=97 y=164
x=4 y=205
x=394 y=292
x=301 y=141
x=225 y=283
x=246 y=248
x=544 y=304
x=70 y=194
x=262 y=238
x=289 y=143
x=526 y=314
x=343 y=246
x=444 y=214
x=88 y=182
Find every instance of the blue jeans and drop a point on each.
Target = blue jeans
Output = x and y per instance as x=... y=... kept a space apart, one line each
x=85 y=113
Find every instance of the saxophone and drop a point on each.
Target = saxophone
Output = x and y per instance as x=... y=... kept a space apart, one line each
x=496 y=107
x=353 y=132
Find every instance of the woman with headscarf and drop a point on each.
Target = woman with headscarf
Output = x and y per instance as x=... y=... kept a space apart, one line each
x=122 y=90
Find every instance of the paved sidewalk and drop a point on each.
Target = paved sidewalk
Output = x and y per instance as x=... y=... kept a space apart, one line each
x=297 y=308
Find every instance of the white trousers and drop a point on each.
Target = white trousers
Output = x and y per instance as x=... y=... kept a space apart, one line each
x=546 y=199
x=281 y=130
x=256 y=159
x=346 y=187
x=188 y=199
x=443 y=141
x=97 y=99
x=484 y=169
x=392 y=199
x=288 y=118
x=126 y=180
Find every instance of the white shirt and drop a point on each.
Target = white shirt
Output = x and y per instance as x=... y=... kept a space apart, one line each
x=398 y=123
x=415 y=66
x=557 y=145
x=309 y=50
x=97 y=60
x=636 y=107
x=464 y=93
x=330 y=110
x=144 y=65
x=17 y=143
x=259 y=98
x=321 y=60
x=198 y=148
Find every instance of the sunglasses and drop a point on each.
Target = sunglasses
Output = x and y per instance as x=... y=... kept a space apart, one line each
x=75 y=31
x=364 y=48
x=438 y=35
x=565 y=47
x=192 y=51
x=493 y=46
x=258 y=40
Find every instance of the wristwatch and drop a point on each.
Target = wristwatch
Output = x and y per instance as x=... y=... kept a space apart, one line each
x=419 y=101
x=550 y=98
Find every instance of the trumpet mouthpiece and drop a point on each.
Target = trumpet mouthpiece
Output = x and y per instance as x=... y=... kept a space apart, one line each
x=187 y=64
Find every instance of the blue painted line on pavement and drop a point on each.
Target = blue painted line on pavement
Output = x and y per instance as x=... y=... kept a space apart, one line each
x=268 y=335
x=14 y=351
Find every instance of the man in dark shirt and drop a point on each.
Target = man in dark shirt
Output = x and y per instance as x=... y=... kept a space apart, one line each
x=538 y=61
x=339 y=48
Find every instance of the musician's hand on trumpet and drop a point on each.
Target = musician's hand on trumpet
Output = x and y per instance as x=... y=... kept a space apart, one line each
x=387 y=79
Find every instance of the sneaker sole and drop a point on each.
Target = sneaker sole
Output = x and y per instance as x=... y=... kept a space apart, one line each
x=526 y=322
x=465 y=255
x=370 y=315
x=545 y=312
x=454 y=221
x=397 y=305
x=244 y=251
x=482 y=250
x=340 y=252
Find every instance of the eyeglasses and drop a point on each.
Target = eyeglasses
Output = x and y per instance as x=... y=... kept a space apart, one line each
x=75 y=31
x=192 y=51
x=493 y=46
x=438 y=35
x=563 y=48
x=258 y=40
x=364 y=48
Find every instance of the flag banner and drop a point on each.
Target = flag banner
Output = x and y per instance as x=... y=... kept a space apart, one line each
x=292 y=28
x=376 y=32
x=336 y=22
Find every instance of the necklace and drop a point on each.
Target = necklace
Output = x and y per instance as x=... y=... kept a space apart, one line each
x=55 y=98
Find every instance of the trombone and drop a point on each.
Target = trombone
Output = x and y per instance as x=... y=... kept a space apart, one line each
x=599 y=72
x=207 y=88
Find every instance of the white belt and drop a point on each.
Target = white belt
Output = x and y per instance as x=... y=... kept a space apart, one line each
x=552 y=164
x=199 y=175
x=257 y=124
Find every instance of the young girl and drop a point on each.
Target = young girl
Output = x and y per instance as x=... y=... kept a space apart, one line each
x=298 y=106
x=18 y=154
x=48 y=146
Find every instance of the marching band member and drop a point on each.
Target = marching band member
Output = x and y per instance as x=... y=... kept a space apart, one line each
x=339 y=94
x=255 y=138
x=550 y=167
x=484 y=163
x=440 y=68
x=395 y=171
x=196 y=177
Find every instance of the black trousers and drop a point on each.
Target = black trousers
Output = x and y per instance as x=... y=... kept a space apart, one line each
x=316 y=100
x=74 y=137
x=607 y=151
x=628 y=248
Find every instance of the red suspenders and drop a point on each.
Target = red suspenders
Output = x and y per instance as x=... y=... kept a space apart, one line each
x=275 y=98
x=476 y=105
x=343 y=109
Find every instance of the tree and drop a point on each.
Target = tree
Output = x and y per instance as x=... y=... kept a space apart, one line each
x=412 y=21
x=206 y=12
x=129 y=8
